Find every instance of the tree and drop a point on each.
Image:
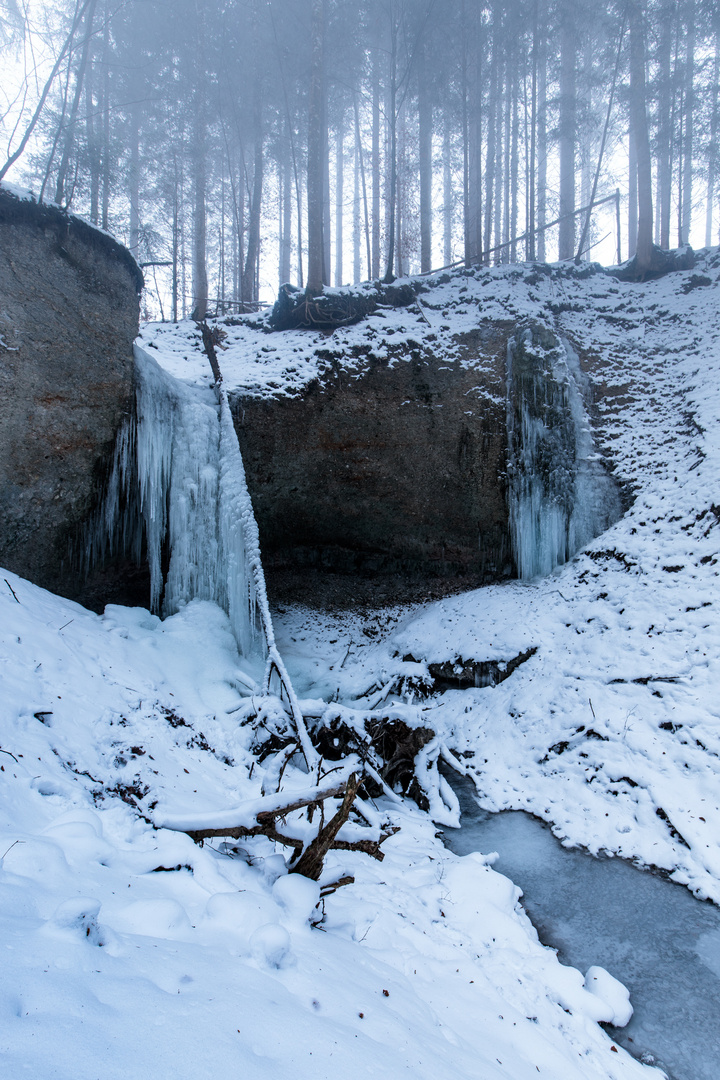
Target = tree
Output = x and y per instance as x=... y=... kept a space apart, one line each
x=644 y=248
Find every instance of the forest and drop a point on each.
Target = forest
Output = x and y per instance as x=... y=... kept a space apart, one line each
x=239 y=144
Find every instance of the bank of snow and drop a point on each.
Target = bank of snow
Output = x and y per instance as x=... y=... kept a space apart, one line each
x=130 y=949
x=611 y=730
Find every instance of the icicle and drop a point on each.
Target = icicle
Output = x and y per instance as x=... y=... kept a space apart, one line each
x=163 y=490
x=559 y=494
x=177 y=482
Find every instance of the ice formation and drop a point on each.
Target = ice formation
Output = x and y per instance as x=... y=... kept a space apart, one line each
x=559 y=493
x=176 y=493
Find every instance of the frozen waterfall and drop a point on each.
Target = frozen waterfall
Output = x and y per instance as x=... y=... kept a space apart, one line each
x=176 y=493
x=560 y=495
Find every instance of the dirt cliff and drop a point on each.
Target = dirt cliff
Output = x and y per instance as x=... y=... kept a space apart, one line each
x=68 y=316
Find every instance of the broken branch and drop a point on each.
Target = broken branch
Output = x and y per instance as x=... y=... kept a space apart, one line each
x=311 y=861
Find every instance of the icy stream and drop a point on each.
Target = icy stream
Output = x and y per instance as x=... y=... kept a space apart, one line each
x=649 y=933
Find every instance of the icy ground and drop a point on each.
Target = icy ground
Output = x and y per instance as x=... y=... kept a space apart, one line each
x=650 y=933
x=130 y=949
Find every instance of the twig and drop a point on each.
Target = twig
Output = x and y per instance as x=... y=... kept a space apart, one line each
x=22 y=842
x=331 y=887
x=65 y=624
x=11 y=589
x=346 y=655
x=422 y=313
x=10 y=755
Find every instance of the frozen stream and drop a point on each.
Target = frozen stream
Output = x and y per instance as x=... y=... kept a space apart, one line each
x=650 y=933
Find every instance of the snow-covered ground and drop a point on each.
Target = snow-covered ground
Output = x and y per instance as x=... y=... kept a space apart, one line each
x=130 y=948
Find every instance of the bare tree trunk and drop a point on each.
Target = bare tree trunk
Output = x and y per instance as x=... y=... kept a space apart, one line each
x=469 y=254
x=175 y=241
x=252 y=253
x=425 y=163
x=567 y=130
x=106 y=120
x=199 y=240
x=644 y=251
x=514 y=161
x=339 y=195
x=472 y=135
x=587 y=137
x=400 y=196
x=491 y=149
x=664 y=126
x=632 y=192
x=689 y=95
x=447 y=196
x=498 y=180
x=392 y=120
x=92 y=145
x=374 y=271
x=361 y=158
x=287 y=220
x=507 y=141
x=356 y=214
x=542 y=138
x=315 y=170
x=530 y=196
x=327 y=228
x=134 y=179
x=476 y=173
x=712 y=151
x=249 y=280
x=60 y=192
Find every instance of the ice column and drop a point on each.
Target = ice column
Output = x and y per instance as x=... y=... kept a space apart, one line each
x=176 y=491
x=559 y=494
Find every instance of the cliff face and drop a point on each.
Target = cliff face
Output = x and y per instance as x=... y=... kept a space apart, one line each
x=393 y=472
x=68 y=316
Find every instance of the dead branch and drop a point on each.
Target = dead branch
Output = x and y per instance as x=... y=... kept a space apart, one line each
x=311 y=859
x=310 y=862
x=329 y=793
x=209 y=342
x=333 y=886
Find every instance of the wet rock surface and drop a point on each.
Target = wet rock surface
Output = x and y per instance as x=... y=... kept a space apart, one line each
x=68 y=318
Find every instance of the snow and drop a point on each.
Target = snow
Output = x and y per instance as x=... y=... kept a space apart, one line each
x=128 y=947
x=610 y=992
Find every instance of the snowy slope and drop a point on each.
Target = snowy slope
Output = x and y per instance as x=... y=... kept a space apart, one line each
x=132 y=949
x=129 y=948
x=611 y=731
x=627 y=634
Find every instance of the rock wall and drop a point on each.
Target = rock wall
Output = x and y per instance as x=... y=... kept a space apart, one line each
x=68 y=317
x=392 y=473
